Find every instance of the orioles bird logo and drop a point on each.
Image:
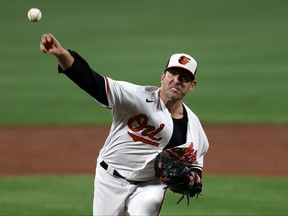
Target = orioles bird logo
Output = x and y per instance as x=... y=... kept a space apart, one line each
x=184 y=60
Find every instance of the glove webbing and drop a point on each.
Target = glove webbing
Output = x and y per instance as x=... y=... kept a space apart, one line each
x=188 y=198
x=187 y=195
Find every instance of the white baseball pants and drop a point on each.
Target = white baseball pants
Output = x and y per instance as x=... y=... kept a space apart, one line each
x=116 y=196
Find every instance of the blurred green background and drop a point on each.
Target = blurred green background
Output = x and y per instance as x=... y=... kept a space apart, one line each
x=241 y=47
x=72 y=195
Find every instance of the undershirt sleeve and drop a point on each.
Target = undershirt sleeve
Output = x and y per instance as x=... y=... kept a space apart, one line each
x=86 y=78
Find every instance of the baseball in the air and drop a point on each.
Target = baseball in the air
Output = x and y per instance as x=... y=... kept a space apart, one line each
x=34 y=15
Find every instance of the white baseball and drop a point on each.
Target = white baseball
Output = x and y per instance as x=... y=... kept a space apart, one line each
x=34 y=15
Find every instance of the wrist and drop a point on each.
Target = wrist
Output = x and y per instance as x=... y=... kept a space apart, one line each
x=65 y=59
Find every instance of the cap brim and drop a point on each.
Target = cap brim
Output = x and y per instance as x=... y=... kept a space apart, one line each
x=185 y=69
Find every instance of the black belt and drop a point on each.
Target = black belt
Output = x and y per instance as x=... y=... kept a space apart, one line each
x=115 y=173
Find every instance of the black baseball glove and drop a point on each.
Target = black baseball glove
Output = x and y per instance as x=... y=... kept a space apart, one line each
x=177 y=177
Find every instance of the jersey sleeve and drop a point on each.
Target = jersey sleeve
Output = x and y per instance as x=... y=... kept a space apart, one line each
x=86 y=78
x=202 y=149
x=121 y=95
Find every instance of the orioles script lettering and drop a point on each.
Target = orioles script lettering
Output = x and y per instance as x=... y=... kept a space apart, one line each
x=149 y=132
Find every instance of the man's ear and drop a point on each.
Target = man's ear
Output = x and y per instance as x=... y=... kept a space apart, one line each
x=193 y=85
x=163 y=75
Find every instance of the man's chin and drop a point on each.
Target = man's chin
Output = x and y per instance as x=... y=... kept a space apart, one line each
x=174 y=99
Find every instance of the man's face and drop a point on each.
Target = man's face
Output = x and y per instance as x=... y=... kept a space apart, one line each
x=175 y=84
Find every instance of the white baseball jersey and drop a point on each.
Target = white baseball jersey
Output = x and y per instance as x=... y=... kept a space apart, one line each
x=142 y=127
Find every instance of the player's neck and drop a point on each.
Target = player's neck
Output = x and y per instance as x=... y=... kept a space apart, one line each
x=175 y=108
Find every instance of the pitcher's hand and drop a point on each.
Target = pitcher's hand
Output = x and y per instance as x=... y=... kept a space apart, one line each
x=49 y=44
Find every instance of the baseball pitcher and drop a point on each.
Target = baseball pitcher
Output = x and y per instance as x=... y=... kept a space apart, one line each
x=155 y=142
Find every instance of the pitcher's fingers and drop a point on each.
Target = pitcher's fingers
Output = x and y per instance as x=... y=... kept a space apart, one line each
x=46 y=38
x=42 y=48
x=43 y=38
x=49 y=37
x=44 y=45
